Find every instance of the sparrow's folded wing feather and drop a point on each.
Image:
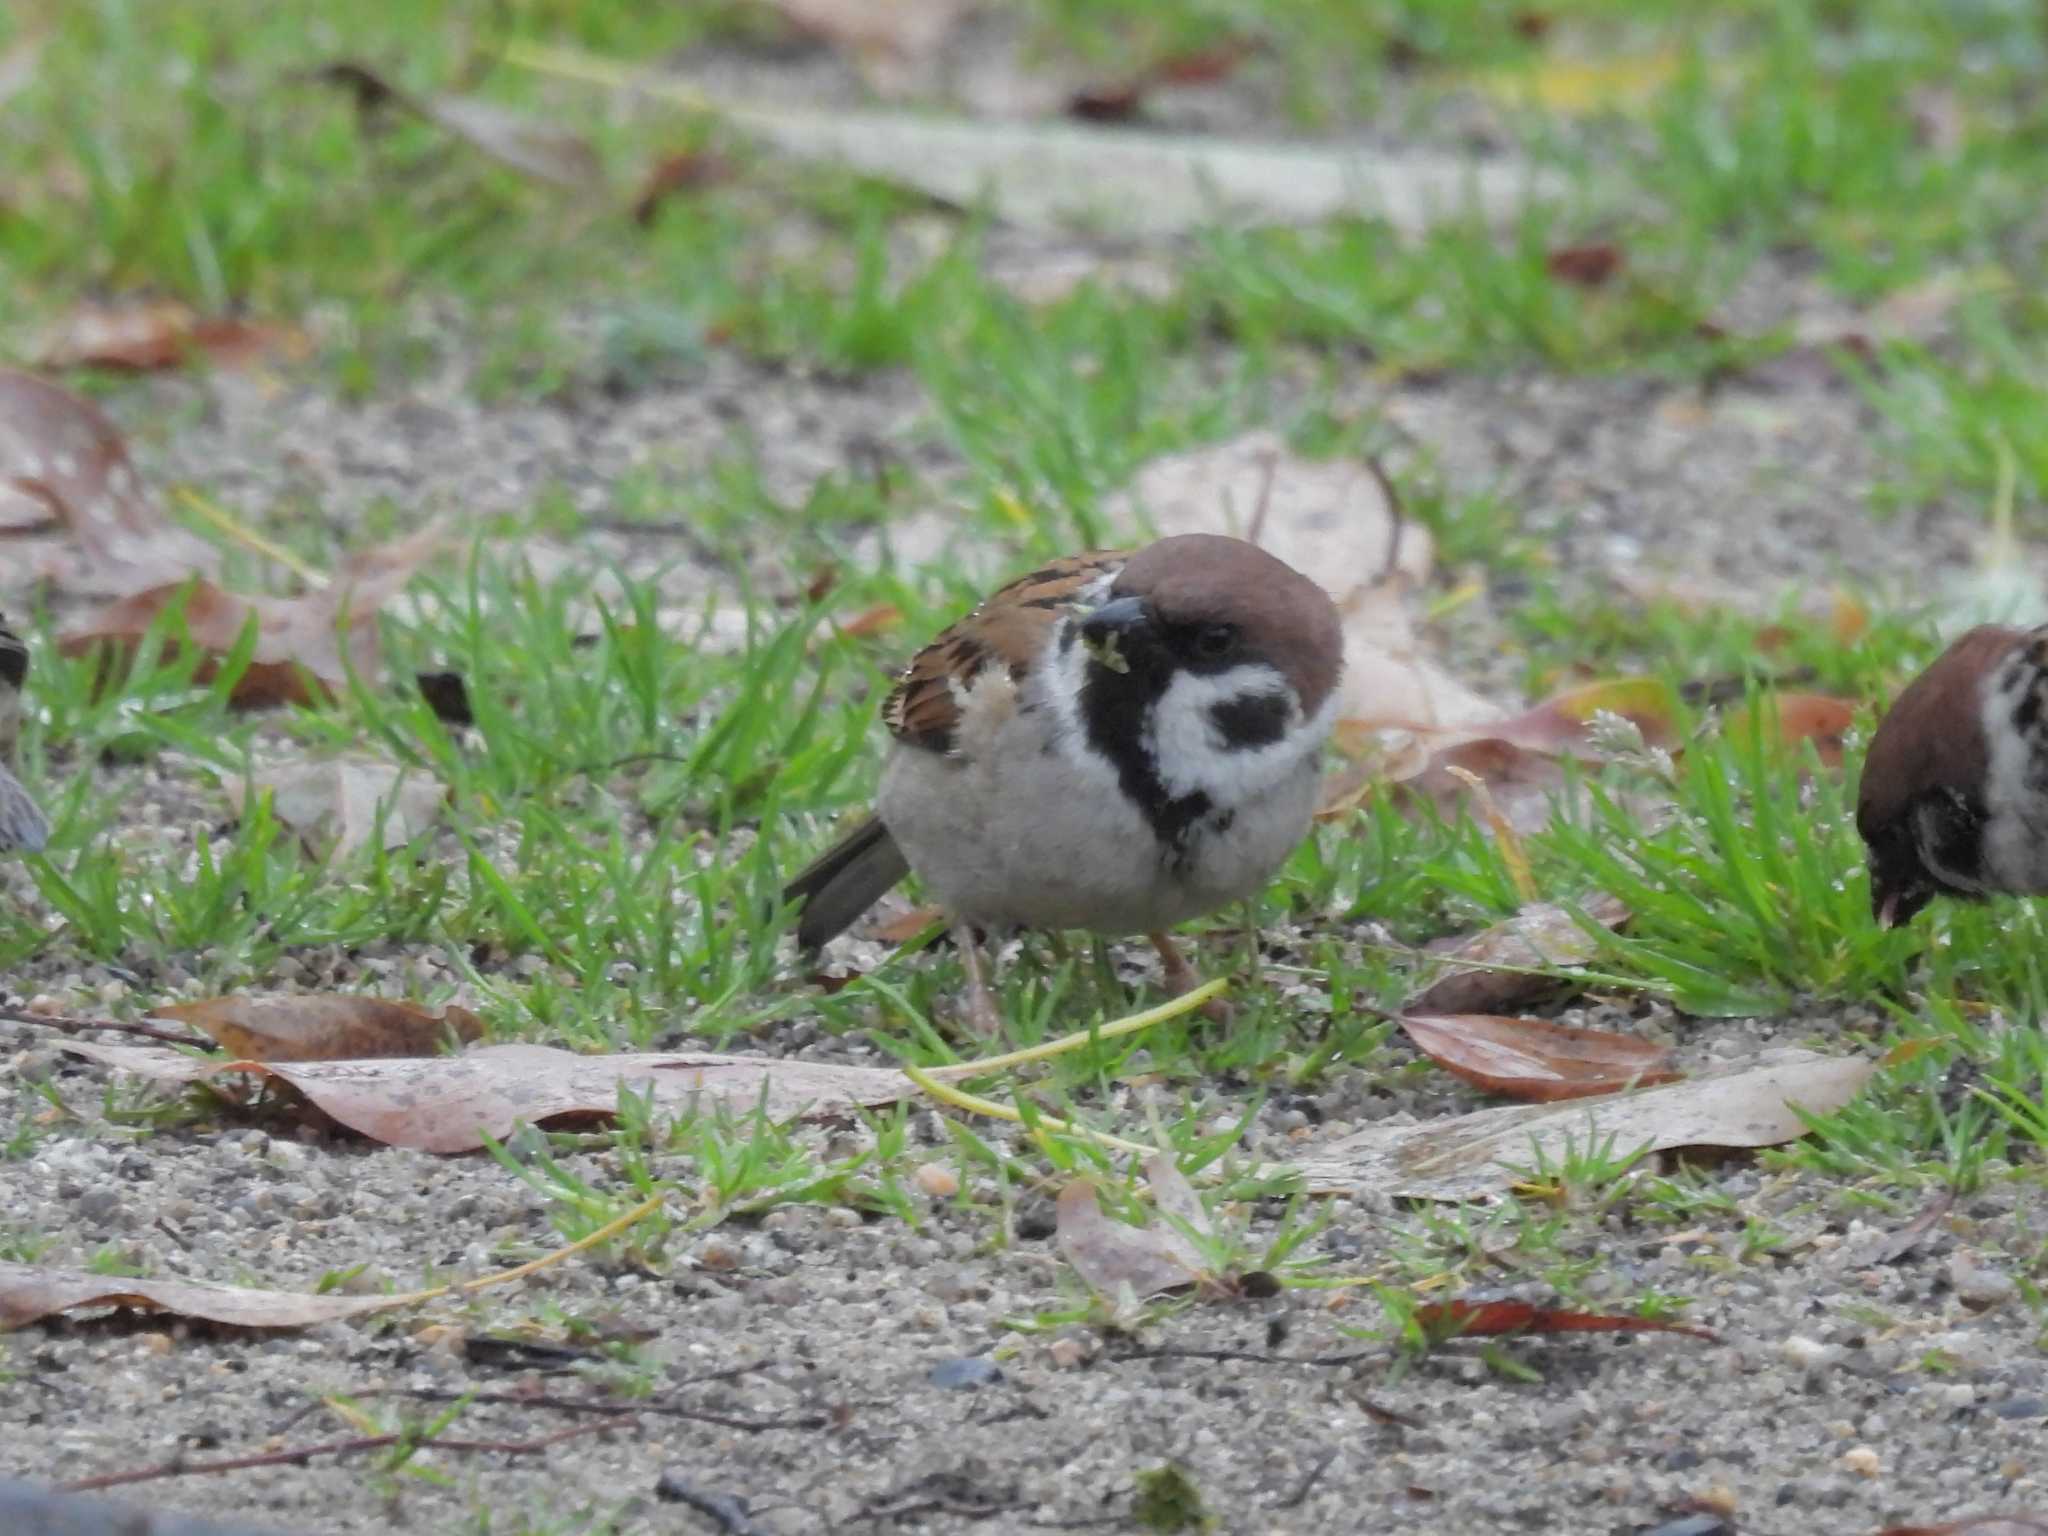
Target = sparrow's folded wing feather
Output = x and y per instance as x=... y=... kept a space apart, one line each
x=1010 y=629
x=923 y=712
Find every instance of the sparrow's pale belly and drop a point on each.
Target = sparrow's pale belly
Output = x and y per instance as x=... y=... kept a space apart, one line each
x=1060 y=846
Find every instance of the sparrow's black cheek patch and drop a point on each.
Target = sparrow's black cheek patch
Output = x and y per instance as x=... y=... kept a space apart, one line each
x=13 y=660
x=1250 y=720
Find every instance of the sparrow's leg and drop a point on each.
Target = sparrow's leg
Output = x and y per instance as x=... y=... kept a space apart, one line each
x=983 y=1017
x=1180 y=977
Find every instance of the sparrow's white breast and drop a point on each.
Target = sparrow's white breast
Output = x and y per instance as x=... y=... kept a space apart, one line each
x=1026 y=826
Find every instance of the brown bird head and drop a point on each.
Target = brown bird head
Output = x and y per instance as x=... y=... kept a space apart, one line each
x=1923 y=806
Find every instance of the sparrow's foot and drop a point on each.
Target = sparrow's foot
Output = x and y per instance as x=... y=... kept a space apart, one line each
x=1180 y=977
x=984 y=1019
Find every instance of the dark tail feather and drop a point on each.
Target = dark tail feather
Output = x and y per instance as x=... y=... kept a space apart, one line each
x=844 y=881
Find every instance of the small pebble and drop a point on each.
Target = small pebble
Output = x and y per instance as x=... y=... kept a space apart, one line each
x=1863 y=1461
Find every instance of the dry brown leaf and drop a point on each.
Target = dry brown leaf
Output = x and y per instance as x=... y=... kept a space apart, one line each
x=1535 y=1059
x=28 y=1292
x=543 y=150
x=895 y=44
x=450 y=1103
x=341 y=804
x=906 y=926
x=1110 y=1255
x=1465 y=1318
x=1470 y=1157
x=1981 y=1525
x=64 y=467
x=1792 y=718
x=149 y=334
x=321 y=1026
x=1586 y=266
x=306 y=646
x=1540 y=936
x=685 y=171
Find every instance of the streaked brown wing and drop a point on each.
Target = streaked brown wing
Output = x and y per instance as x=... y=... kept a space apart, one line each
x=1008 y=630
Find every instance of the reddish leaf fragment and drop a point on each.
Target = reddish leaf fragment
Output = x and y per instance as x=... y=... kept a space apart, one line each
x=1453 y=1319
x=147 y=335
x=319 y=1026
x=1981 y=1525
x=688 y=170
x=306 y=646
x=63 y=463
x=28 y=1292
x=450 y=1103
x=1541 y=936
x=1534 y=1059
x=878 y=620
x=1586 y=266
x=904 y=928
x=1787 y=719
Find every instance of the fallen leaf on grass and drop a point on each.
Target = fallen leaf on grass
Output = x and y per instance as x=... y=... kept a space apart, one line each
x=543 y=150
x=450 y=1103
x=320 y=1026
x=1788 y=719
x=1469 y=1157
x=155 y=334
x=64 y=466
x=906 y=926
x=1036 y=175
x=685 y=171
x=29 y=1292
x=1468 y=1319
x=1535 y=1059
x=1586 y=266
x=1113 y=1256
x=1542 y=936
x=306 y=646
x=344 y=804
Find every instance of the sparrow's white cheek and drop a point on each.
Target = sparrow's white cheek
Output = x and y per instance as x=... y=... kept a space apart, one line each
x=1193 y=752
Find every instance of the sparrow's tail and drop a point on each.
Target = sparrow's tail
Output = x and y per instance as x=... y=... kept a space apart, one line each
x=22 y=828
x=844 y=881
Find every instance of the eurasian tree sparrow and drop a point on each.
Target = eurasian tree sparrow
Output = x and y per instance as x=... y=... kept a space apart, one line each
x=1954 y=798
x=1119 y=741
x=22 y=827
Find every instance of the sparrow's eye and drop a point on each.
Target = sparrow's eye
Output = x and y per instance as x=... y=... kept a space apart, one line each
x=1213 y=642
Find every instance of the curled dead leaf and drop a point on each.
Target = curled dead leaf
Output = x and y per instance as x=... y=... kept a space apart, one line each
x=29 y=1292
x=320 y=1026
x=1475 y=1318
x=151 y=334
x=1113 y=1256
x=65 y=468
x=306 y=646
x=1753 y=1103
x=450 y=1103
x=1535 y=1059
x=1542 y=936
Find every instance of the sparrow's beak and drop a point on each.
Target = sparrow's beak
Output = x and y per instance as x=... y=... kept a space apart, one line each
x=1894 y=905
x=1105 y=631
